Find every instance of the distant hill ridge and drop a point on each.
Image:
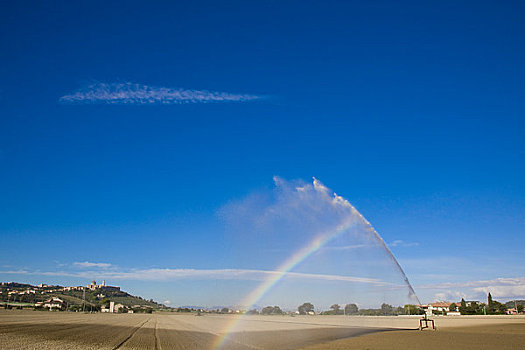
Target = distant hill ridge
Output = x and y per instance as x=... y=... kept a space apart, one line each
x=94 y=298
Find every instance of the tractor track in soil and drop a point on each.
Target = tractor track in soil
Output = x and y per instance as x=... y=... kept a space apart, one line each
x=123 y=342
x=156 y=333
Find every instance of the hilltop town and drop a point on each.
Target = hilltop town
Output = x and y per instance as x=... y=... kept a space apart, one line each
x=92 y=298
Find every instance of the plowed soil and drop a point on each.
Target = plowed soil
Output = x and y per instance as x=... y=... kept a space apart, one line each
x=162 y=331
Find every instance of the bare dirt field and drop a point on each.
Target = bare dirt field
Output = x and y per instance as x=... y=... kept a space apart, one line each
x=59 y=330
x=494 y=336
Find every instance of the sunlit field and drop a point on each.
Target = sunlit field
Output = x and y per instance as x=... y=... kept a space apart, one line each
x=45 y=330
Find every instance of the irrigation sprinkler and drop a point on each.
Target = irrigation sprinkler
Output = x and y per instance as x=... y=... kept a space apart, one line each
x=426 y=321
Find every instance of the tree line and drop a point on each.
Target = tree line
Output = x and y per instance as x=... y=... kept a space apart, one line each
x=349 y=309
x=492 y=307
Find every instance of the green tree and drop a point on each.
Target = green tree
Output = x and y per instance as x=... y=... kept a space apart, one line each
x=305 y=308
x=268 y=310
x=387 y=309
x=336 y=309
x=463 y=307
x=272 y=310
x=494 y=307
x=475 y=309
x=410 y=309
x=453 y=307
x=351 y=309
x=277 y=310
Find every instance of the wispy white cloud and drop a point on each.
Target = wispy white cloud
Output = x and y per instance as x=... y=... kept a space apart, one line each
x=472 y=284
x=91 y=264
x=450 y=295
x=503 y=291
x=167 y=274
x=131 y=93
x=401 y=243
x=499 y=288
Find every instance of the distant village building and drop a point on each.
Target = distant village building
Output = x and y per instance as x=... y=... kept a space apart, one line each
x=119 y=308
x=440 y=306
x=93 y=286
x=73 y=288
x=22 y=292
x=54 y=303
x=110 y=288
x=113 y=308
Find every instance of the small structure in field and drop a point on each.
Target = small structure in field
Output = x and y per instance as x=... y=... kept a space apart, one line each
x=424 y=323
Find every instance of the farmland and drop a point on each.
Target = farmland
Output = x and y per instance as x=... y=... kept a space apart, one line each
x=55 y=330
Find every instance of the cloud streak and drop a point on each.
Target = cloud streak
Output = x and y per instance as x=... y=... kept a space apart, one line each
x=499 y=287
x=138 y=94
x=167 y=274
x=91 y=264
x=400 y=243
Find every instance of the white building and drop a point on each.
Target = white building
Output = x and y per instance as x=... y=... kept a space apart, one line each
x=439 y=307
x=113 y=308
x=54 y=303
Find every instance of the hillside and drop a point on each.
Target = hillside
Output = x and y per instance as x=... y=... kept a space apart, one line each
x=25 y=294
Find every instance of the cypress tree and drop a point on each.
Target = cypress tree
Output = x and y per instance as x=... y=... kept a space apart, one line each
x=463 y=307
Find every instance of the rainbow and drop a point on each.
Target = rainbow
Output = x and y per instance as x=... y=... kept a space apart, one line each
x=281 y=272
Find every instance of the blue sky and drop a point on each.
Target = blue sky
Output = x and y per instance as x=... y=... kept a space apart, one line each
x=126 y=127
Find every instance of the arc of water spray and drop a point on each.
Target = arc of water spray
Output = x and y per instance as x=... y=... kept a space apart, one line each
x=316 y=244
x=371 y=229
